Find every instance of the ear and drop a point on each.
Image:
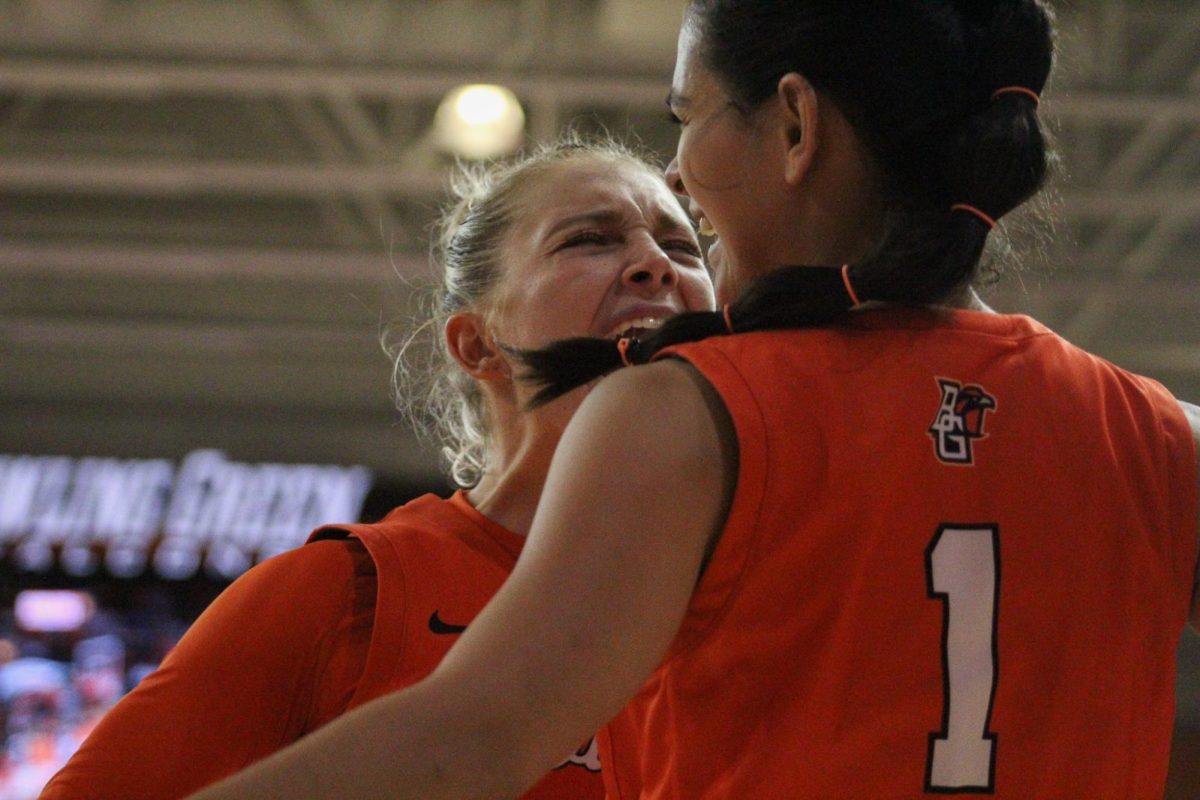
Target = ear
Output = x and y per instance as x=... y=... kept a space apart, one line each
x=798 y=104
x=472 y=346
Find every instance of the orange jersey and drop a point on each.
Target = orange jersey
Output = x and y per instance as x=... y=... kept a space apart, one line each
x=297 y=641
x=443 y=561
x=958 y=560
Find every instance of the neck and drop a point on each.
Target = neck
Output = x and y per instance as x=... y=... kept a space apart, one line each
x=966 y=297
x=509 y=490
x=840 y=211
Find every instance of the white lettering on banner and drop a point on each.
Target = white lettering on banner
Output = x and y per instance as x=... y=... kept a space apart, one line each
x=219 y=513
x=39 y=486
x=60 y=500
x=196 y=477
x=52 y=493
x=64 y=517
x=130 y=503
x=18 y=484
x=240 y=511
x=293 y=510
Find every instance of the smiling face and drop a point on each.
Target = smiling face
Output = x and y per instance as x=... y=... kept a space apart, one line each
x=599 y=246
x=725 y=166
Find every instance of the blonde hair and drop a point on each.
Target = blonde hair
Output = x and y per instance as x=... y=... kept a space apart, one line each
x=436 y=397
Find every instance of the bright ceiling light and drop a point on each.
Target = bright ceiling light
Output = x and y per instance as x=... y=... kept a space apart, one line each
x=480 y=121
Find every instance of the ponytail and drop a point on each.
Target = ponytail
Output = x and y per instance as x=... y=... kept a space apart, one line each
x=949 y=175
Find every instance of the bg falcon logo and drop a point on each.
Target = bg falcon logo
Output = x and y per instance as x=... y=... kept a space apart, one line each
x=959 y=421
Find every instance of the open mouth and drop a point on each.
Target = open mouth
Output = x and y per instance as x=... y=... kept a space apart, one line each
x=635 y=327
x=705 y=228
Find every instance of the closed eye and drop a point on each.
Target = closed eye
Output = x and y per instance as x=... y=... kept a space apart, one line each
x=683 y=246
x=589 y=237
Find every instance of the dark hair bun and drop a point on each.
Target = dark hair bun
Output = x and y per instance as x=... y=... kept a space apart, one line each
x=1016 y=43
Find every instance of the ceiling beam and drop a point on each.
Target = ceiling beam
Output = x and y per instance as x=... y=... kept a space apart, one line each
x=177 y=177
x=197 y=262
x=140 y=78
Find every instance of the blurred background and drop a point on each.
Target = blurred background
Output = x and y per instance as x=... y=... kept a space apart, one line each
x=210 y=211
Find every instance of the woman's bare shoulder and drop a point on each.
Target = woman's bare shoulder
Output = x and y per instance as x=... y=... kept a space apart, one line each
x=1192 y=413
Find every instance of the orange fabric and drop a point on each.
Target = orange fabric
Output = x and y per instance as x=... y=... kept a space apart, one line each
x=444 y=558
x=299 y=640
x=1055 y=550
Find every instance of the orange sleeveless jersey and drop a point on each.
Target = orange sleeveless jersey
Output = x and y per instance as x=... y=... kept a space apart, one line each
x=440 y=562
x=958 y=560
x=299 y=640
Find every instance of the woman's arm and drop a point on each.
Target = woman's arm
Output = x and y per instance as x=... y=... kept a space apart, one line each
x=243 y=682
x=636 y=496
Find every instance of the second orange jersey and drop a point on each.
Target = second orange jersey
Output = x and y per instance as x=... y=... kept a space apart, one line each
x=958 y=561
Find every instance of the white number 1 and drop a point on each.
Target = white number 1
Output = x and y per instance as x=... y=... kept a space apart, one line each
x=963 y=571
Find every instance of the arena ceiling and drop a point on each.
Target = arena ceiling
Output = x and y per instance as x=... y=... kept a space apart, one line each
x=209 y=209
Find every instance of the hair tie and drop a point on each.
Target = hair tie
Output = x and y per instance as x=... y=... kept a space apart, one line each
x=849 y=286
x=991 y=223
x=728 y=319
x=623 y=348
x=1030 y=93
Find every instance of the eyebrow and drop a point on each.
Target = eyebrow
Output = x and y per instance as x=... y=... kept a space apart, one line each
x=602 y=217
x=663 y=221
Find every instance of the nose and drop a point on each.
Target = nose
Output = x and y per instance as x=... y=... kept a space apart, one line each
x=673 y=179
x=650 y=271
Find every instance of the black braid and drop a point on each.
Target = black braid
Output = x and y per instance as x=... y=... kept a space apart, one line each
x=566 y=364
x=792 y=297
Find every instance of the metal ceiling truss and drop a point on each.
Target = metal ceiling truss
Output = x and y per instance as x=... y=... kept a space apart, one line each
x=285 y=144
x=1126 y=108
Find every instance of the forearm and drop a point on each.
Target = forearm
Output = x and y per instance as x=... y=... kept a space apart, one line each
x=423 y=742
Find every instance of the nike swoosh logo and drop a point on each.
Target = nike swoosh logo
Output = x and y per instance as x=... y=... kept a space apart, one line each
x=438 y=626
